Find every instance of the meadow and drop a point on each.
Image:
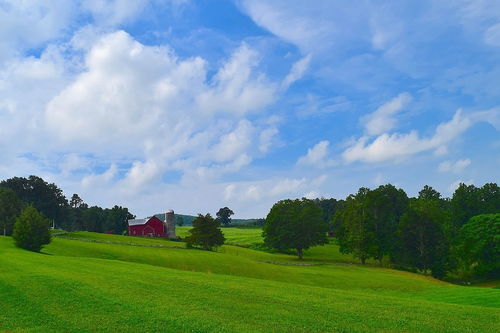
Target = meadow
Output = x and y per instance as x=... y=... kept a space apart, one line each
x=96 y=282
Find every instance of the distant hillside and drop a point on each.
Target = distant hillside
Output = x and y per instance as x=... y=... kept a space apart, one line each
x=188 y=220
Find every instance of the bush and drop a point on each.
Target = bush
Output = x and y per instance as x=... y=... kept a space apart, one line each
x=31 y=230
x=479 y=245
x=205 y=233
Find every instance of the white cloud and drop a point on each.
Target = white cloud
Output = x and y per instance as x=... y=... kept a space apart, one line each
x=287 y=186
x=492 y=35
x=396 y=146
x=317 y=156
x=235 y=88
x=94 y=181
x=114 y=12
x=297 y=71
x=266 y=139
x=383 y=119
x=29 y=24
x=455 y=167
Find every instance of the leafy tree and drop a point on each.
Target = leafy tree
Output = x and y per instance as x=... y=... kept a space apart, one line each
x=205 y=233
x=465 y=204
x=31 y=230
x=94 y=219
x=356 y=233
x=479 y=245
x=224 y=216
x=10 y=207
x=329 y=207
x=117 y=219
x=429 y=193
x=295 y=224
x=489 y=199
x=423 y=243
x=385 y=206
x=179 y=221
x=46 y=198
x=76 y=213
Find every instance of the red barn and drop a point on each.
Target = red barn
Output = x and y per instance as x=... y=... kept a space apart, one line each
x=151 y=227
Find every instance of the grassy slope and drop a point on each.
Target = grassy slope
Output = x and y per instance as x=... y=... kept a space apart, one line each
x=151 y=288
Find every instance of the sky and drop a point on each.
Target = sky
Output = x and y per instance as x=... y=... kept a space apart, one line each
x=196 y=105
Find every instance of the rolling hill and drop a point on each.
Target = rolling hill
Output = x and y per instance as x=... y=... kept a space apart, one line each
x=95 y=282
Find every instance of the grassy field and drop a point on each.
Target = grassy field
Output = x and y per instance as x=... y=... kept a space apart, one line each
x=95 y=282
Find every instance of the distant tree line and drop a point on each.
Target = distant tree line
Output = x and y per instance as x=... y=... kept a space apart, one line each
x=48 y=199
x=443 y=236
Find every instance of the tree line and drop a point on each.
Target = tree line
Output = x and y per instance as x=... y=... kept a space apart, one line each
x=455 y=237
x=47 y=198
x=429 y=233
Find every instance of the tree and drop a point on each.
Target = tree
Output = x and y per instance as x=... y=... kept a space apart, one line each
x=31 y=230
x=224 y=216
x=489 y=199
x=205 y=233
x=479 y=245
x=94 y=219
x=429 y=193
x=385 y=206
x=422 y=240
x=117 y=219
x=179 y=221
x=295 y=224
x=46 y=198
x=329 y=207
x=10 y=207
x=465 y=204
x=355 y=231
x=76 y=213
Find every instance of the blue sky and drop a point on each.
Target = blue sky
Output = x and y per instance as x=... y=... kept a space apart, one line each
x=196 y=105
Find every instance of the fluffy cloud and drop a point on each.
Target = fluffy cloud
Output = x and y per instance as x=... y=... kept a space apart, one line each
x=317 y=156
x=396 y=146
x=114 y=12
x=383 y=120
x=28 y=24
x=455 y=167
x=297 y=71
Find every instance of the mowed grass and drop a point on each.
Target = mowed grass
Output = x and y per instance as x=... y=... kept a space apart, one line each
x=245 y=237
x=106 y=284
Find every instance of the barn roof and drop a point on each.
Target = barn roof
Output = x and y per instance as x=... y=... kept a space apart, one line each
x=137 y=221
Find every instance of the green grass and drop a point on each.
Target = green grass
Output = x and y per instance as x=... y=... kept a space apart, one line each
x=117 y=283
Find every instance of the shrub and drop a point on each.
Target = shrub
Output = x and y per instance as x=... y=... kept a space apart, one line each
x=31 y=230
x=205 y=233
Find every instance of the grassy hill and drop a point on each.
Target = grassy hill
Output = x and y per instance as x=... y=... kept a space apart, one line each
x=96 y=282
x=188 y=219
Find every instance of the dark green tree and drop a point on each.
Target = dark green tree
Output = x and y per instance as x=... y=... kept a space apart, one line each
x=478 y=245
x=205 y=233
x=76 y=209
x=31 y=230
x=355 y=229
x=179 y=221
x=465 y=204
x=295 y=224
x=428 y=192
x=489 y=199
x=422 y=240
x=10 y=208
x=329 y=207
x=47 y=198
x=117 y=220
x=385 y=204
x=224 y=216
x=94 y=219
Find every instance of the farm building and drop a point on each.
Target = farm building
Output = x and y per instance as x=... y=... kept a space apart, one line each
x=153 y=226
